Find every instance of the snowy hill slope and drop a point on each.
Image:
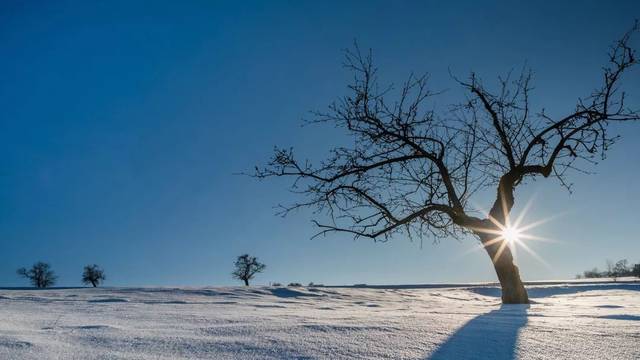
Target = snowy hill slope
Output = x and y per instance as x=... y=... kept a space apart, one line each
x=573 y=321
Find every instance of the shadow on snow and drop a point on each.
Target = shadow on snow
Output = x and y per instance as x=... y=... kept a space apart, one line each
x=493 y=335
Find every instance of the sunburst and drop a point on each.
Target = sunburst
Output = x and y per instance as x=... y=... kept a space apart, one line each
x=514 y=234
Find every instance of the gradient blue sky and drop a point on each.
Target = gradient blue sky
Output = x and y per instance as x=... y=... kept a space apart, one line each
x=123 y=123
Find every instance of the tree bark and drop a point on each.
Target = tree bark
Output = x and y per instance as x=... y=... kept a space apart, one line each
x=513 y=291
x=246 y=282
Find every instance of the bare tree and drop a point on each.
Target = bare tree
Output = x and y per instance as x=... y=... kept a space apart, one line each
x=412 y=170
x=40 y=275
x=621 y=268
x=93 y=275
x=246 y=267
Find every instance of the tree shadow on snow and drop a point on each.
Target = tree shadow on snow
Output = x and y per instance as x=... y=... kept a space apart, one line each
x=493 y=335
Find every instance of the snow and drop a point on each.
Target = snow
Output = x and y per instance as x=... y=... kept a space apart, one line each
x=578 y=320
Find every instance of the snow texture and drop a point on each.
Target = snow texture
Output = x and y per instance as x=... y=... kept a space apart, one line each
x=565 y=321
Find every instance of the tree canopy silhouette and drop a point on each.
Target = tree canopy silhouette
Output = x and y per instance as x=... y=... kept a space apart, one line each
x=93 y=275
x=412 y=170
x=246 y=267
x=40 y=275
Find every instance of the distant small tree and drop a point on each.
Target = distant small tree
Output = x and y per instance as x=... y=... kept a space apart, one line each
x=40 y=275
x=93 y=275
x=621 y=268
x=246 y=267
x=636 y=270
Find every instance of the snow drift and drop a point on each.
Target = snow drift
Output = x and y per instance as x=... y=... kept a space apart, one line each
x=571 y=321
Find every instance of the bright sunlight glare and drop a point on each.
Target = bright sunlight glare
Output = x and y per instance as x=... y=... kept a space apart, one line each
x=511 y=234
x=514 y=234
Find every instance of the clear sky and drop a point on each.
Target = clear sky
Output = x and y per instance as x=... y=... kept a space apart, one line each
x=122 y=125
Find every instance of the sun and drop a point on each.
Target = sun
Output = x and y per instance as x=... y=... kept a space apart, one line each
x=514 y=234
x=511 y=234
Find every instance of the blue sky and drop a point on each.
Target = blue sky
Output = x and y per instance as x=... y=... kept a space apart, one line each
x=123 y=123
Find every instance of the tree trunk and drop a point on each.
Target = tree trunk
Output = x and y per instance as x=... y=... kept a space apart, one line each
x=513 y=291
x=93 y=283
x=246 y=282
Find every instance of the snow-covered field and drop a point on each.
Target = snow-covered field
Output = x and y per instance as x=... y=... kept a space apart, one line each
x=574 y=321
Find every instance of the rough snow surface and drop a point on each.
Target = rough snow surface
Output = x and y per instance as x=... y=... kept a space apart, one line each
x=573 y=321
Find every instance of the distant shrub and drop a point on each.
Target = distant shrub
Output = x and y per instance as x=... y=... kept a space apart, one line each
x=40 y=275
x=276 y=284
x=593 y=273
x=311 y=284
x=246 y=267
x=93 y=275
x=294 y=284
